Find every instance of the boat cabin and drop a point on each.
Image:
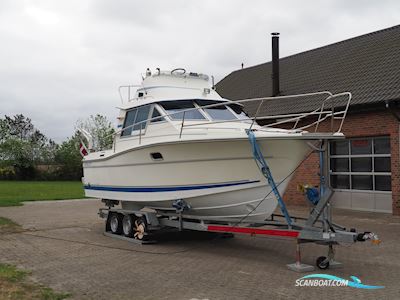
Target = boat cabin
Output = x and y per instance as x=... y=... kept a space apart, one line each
x=138 y=118
x=174 y=98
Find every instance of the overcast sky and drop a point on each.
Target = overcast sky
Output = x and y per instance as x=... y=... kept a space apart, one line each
x=64 y=60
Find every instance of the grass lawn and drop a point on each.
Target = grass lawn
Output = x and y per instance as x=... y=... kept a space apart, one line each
x=14 y=284
x=12 y=193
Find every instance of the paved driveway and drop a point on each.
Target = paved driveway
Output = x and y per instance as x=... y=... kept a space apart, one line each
x=64 y=246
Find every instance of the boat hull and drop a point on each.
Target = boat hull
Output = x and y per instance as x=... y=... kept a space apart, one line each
x=217 y=179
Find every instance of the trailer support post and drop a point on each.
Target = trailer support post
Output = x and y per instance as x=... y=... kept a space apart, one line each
x=333 y=264
x=298 y=266
x=180 y=221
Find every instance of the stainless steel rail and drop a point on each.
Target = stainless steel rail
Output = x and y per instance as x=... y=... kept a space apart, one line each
x=322 y=112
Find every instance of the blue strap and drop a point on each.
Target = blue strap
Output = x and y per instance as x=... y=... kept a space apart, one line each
x=262 y=165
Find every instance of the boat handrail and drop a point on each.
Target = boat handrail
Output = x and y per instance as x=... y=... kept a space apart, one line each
x=128 y=88
x=322 y=112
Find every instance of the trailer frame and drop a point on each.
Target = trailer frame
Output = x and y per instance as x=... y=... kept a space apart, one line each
x=299 y=232
x=317 y=228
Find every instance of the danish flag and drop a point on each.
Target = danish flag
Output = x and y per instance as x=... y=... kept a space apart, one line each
x=82 y=149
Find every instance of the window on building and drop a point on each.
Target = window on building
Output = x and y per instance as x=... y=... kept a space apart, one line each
x=360 y=164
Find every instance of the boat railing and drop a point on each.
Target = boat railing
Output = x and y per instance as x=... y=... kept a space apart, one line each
x=301 y=121
x=323 y=112
x=129 y=91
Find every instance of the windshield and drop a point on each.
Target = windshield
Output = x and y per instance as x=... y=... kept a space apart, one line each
x=238 y=109
x=175 y=108
x=220 y=112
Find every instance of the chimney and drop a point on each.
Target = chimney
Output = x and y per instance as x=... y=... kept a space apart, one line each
x=275 y=63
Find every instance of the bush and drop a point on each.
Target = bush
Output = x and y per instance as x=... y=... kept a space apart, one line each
x=25 y=172
x=42 y=172
x=7 y=173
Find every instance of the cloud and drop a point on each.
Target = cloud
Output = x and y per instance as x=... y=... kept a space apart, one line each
x=64 y=60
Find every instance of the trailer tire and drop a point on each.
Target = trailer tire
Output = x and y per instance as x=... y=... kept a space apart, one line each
x=128 y=225
x=322 y=263
x=115 y=223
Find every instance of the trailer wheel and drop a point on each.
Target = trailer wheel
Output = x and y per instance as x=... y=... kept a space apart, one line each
x=115 y=223
x=322 y=263
x=128 y=225
x=140 y=229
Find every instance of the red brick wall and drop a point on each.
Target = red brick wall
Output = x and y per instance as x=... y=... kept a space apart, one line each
x=356 y=125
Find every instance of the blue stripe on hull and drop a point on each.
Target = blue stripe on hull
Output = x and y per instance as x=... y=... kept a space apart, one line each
x=165 y=188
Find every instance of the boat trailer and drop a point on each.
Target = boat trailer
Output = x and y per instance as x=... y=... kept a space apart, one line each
x=318 y=227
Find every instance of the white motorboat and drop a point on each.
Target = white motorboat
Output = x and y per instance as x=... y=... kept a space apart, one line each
x=179 y=140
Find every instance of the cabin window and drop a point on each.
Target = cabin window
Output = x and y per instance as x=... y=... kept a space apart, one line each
x=142 y=115
x=129 y=120
x=135 y=116
x=156 y=114
x=238 y=109
x=175 y=108
x=220 y=112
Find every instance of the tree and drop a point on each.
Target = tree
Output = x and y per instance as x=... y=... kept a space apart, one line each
x=3 y=130
x=67 y=154
x=68 y=157
x=49 y=152
x=22 y=146
x=17 y=153
x=101 y=130
x=20 y=127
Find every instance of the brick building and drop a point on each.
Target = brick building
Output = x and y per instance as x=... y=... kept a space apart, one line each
x=364 y=168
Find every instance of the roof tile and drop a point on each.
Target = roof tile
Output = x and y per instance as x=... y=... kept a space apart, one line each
x=368 y=66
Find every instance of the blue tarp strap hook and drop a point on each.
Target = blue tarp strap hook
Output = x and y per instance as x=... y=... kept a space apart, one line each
x=263 y=166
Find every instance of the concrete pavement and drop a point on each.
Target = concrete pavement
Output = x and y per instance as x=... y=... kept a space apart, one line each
x=63 y=244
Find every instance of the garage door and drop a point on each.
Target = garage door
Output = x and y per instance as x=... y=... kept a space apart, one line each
x=360 y=173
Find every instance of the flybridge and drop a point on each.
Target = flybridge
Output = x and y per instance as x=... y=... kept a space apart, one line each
x=178 y=72
x=168 y=85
